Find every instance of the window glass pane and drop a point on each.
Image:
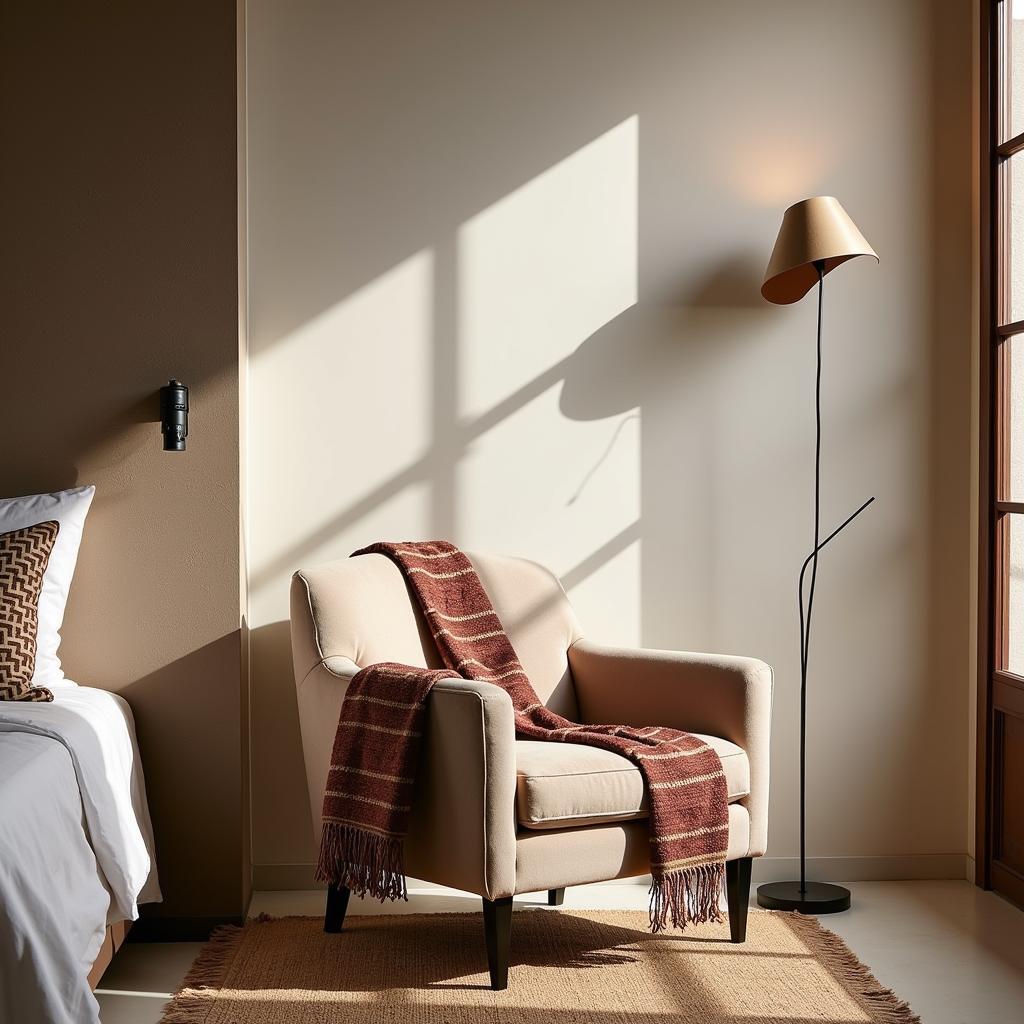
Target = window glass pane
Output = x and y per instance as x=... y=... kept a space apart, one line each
x=1013 y=69
x=1015 y=595
x=1010 y=276
x=1011 y=486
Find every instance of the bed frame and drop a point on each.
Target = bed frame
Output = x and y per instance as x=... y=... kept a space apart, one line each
x=111 y=944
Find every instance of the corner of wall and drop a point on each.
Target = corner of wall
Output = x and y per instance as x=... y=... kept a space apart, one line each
x=243 y=435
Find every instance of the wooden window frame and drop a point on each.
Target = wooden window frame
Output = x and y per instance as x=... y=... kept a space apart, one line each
x=986 y=221
x=999 y=691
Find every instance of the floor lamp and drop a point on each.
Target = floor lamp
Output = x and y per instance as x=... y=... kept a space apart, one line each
x=816 y=236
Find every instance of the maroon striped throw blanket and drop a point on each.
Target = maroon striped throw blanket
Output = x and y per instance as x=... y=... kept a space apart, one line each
x=371 y=784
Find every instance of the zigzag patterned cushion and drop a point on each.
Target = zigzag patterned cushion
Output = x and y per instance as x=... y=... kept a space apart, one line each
x=24 y=554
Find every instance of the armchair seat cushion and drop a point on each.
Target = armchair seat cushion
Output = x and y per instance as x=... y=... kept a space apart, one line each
x=563 y=785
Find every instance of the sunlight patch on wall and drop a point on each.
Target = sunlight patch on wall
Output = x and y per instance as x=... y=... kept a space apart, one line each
x=539 y=272
x=543 y=268
x=346 y=409
x=607 y=602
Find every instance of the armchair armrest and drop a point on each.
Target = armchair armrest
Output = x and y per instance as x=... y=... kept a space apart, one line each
x=714 y=694
x=462 y=831
x=463 y=827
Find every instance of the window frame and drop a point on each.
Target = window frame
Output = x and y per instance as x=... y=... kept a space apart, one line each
x=996 y=685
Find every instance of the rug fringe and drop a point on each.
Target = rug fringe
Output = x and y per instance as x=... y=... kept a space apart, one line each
x=884 y=1004
x=687 y=896
x=192 y=1003
x=367 y=863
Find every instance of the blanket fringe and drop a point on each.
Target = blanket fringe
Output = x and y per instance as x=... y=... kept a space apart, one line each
x=687 y=896
x=366 y=862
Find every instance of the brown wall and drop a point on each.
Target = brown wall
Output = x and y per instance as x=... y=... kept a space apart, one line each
x=119 y=270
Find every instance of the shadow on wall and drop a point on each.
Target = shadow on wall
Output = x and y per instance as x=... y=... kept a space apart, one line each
x=611 y=379
x=520 y=303
x=180 y=709
x=283 y=780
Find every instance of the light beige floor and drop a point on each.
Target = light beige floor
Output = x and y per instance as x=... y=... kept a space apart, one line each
x=955 y=953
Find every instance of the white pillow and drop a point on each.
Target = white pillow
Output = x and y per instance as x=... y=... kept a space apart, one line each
x=69 y=508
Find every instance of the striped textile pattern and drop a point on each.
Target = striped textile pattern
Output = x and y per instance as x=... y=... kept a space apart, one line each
x=24 y=555
x=371 y=783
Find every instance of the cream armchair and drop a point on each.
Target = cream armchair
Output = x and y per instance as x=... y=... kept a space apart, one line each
x=497 y=816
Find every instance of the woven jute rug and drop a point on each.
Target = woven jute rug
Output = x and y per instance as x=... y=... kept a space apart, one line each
x=567 y=966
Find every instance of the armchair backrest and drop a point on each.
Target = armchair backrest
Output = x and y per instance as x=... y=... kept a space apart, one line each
x=360 y=609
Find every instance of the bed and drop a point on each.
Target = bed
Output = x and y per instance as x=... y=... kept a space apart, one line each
x=76 y=850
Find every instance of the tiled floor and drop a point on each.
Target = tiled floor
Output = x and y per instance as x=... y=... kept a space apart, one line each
x=954 y=952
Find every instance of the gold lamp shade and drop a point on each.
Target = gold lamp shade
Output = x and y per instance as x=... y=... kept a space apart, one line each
x=813 y=230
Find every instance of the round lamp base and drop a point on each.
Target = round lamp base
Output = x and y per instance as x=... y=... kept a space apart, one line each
x=814 y=898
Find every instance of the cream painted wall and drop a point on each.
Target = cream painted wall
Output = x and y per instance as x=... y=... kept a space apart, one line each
x=503 y=288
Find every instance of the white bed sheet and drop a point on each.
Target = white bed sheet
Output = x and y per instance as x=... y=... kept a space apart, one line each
x=52 y=893
x=75 y=854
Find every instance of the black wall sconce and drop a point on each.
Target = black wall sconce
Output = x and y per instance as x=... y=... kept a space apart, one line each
x=174 y=415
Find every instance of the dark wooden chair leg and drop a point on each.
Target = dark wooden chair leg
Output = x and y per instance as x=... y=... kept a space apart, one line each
x=737 y=887
x=337 y=904
x=498 y=932
x=556 y=897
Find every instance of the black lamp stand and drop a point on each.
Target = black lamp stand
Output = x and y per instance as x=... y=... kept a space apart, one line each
x=804 y=896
